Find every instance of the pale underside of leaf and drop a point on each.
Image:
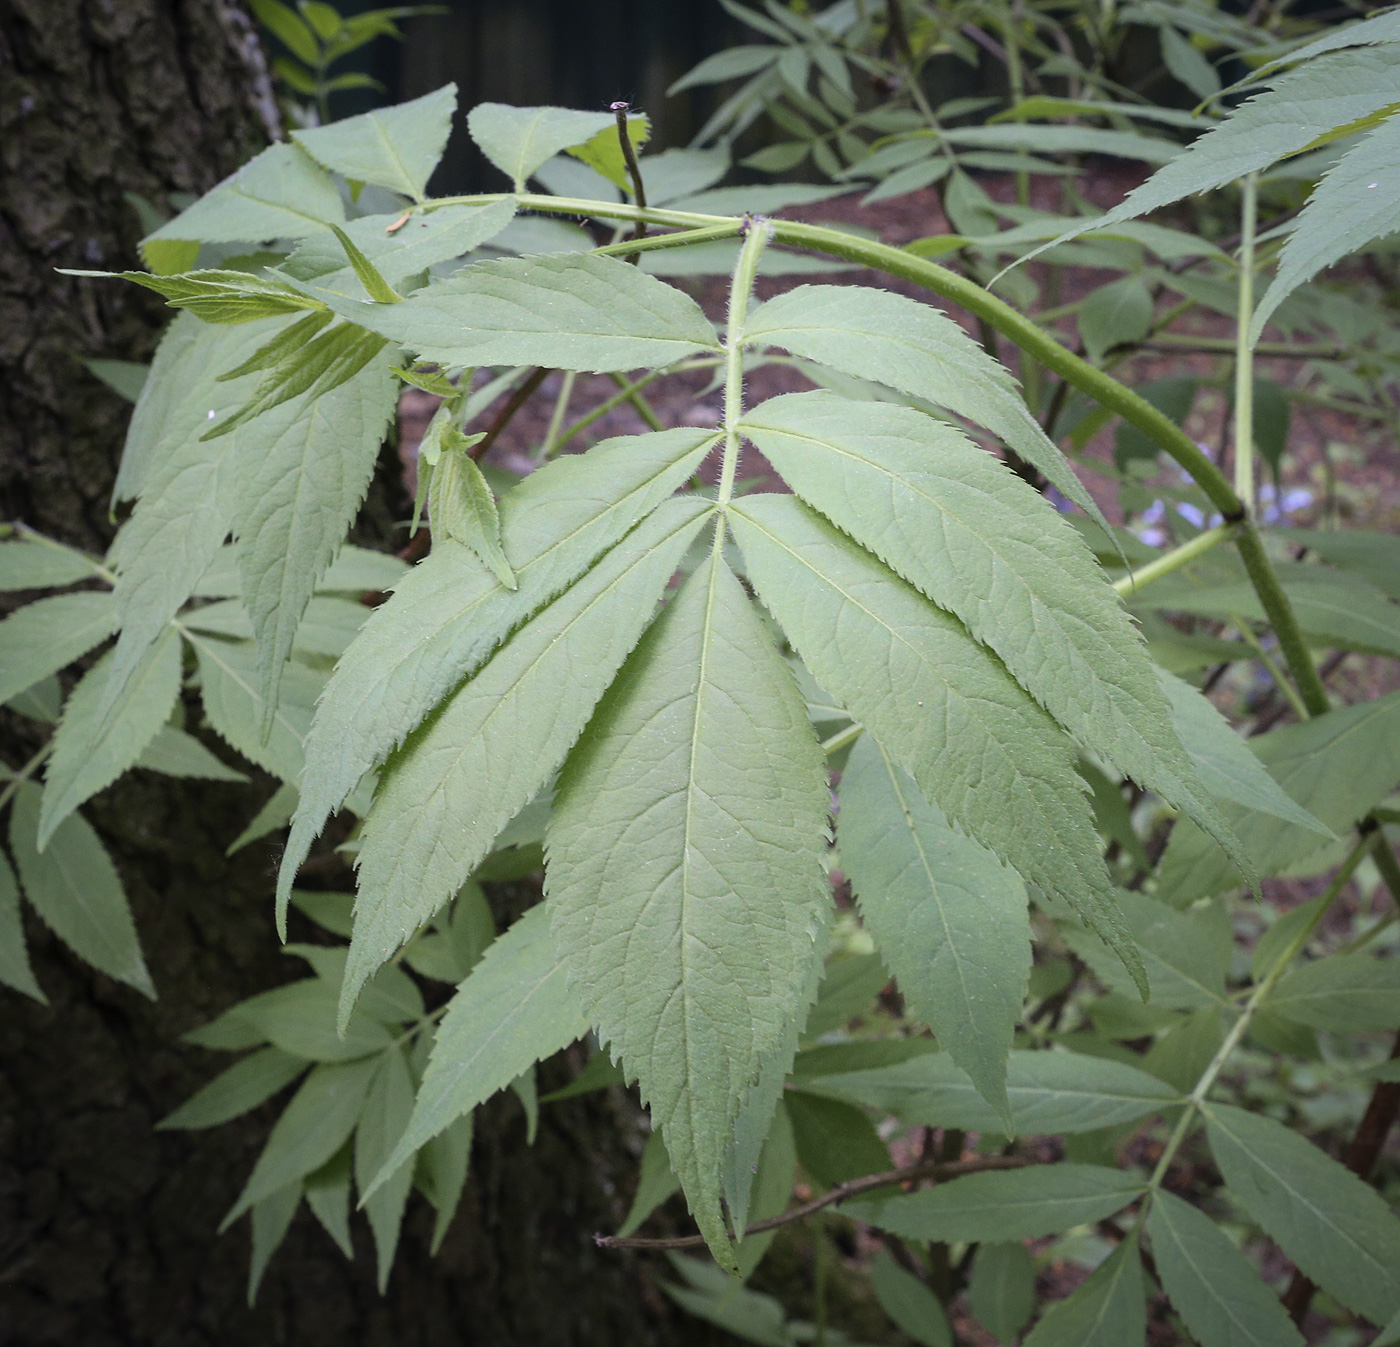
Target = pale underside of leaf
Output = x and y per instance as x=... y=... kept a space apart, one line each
x=487 y=752
x=519 y=140
x=686 y=868
x=513 y=1010
x=574 y=311
x=447 y=614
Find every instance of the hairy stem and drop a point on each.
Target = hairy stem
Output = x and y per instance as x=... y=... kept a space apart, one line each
x=755 y=241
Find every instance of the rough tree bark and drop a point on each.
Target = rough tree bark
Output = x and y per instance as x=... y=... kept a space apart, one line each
x=107 y=1227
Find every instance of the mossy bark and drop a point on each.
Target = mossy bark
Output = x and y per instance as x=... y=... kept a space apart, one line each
x=107 y=1226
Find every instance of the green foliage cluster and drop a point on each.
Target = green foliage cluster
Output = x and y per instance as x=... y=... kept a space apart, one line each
x=644 y=683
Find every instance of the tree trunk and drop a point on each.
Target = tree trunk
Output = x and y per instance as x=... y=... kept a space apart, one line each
x=108 y=1227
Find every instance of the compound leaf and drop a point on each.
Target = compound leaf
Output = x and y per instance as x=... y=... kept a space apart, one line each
x=686 y=870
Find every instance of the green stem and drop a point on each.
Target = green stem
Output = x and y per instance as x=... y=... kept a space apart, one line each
x=24 y=773
x=635 y=397
x=625 y=395
x=842 y=738
x=1267 y=660
x=681 y=239
x=755 y=241
x=34 y=536
x=561 y=407
x=1244 y=355
x=1260 y=994
x=1174 y=560
x=1281 y=617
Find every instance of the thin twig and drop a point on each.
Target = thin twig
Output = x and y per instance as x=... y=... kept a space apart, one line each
x=939 y=1171
x=639 y=230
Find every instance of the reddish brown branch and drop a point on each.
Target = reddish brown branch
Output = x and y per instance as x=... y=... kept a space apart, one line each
x=938 y=1170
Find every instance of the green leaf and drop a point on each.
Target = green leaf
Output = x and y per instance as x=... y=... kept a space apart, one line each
x=574 y=311
x=771 y=1190
x=1001 y=1292
x=328 y=1195
x=312 y=1128
x=189 y=488
x=275 y=813
x=228 y=675
x=176 y=753
x=448 y=613
x=282 y=193
x=1049 y=1092
x=1338 y=766
x=1336 y=1228
x=297 y=496
x=1186 y=963
x=44 y=636
x=395 y=147
x=41 y=701
x=376 y=287
x=602 y=151
x=1346 y=993
x=519 y=140
x=1373 y=556
x=14 y=957
x=1187 y=64
x=848 y=988
x=835 y=1141
x=231 y=1093
x=732 y=63
x=272 y=1218
x=414 y=245
x=386 y=1113
x=1108 y=1310
x=300 y=1018
x=942 y=705
x=88 y=757
x=1003 y=1204
x=714 y=1297
x=912 y=1306
x=655 y=1184
x=1065 y=140
x=219 y=296
x=74 y=887
x=1352 y=206
x=1211 y=1284
x=462 y=507
x=512 y=1011
x=444 y=1168
x=917 y=349
x=1282 y=121
x=1116 y=314
x=283 y=23
x=686 y=869
x=950 y=920
x=979 y=542
x=1227 y=767
x=41 y=565
x=489 y=749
